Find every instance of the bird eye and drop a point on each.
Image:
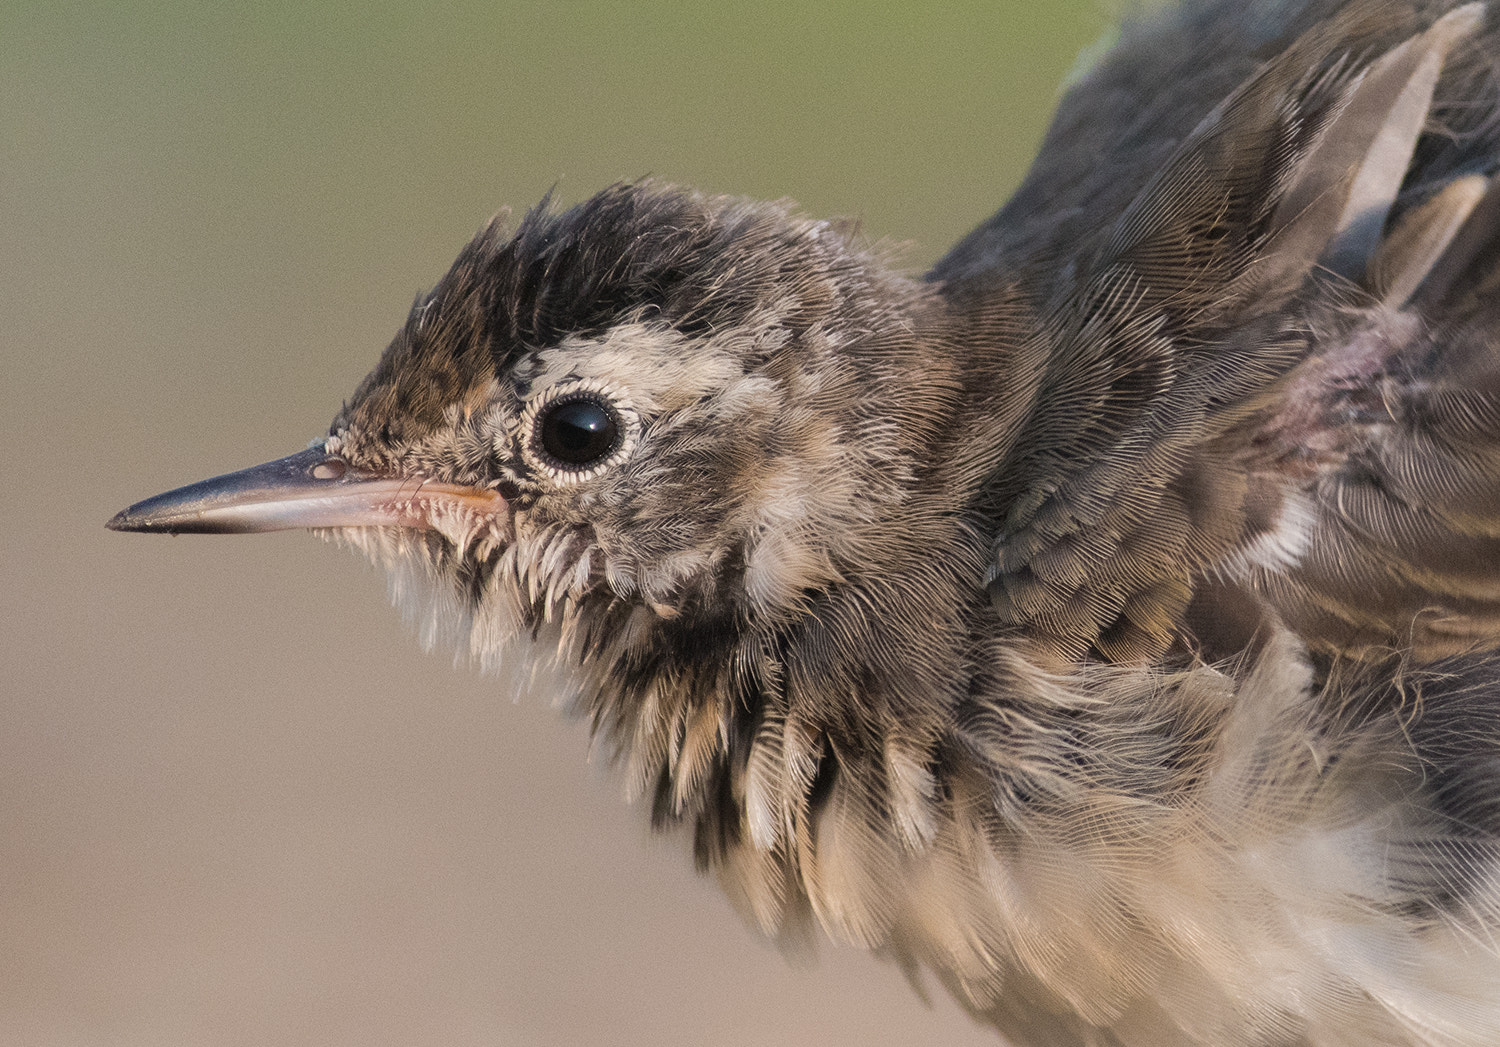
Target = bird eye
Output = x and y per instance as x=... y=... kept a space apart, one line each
x=575 y=430
x=578 y=431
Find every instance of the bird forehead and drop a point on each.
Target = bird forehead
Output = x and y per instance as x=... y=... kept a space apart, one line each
x=407 y=407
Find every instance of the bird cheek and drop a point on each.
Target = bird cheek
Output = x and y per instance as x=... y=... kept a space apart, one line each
x=665 y=583
x=781 y=568
x=469 y=529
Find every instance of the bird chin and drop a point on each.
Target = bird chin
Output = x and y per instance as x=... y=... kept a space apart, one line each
x=488 y=629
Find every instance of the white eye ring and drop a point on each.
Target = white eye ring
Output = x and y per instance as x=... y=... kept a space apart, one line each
x=602 y=433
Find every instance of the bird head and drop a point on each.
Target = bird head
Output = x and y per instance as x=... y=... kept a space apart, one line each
x=650 y=432
x=677 y=399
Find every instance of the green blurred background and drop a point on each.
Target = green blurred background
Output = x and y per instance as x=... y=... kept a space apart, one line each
x=237 y=804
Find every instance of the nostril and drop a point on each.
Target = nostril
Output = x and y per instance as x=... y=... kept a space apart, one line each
x=332 y=469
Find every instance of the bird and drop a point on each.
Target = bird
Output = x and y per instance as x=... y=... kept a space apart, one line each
x=1104 y=624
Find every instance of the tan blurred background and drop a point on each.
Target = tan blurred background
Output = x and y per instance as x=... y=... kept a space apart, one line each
x=238 y=805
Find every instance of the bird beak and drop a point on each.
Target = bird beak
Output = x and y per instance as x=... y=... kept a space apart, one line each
x=306 y=490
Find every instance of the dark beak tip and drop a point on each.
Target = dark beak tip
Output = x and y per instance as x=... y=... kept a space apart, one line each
x=128 y=520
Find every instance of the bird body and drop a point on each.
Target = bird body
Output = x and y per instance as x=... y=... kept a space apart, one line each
x=1105 y=623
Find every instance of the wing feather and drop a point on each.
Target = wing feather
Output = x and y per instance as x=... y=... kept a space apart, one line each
x=1271 y=369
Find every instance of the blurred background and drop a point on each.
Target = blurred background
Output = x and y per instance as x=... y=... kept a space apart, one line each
x=238 y=805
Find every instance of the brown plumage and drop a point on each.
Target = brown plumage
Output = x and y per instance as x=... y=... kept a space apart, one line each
x=1105 y=623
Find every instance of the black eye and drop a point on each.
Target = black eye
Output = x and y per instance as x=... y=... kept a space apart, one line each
x=578 y=431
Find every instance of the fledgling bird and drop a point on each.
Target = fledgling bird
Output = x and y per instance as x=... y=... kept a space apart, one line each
x=1106 y=623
